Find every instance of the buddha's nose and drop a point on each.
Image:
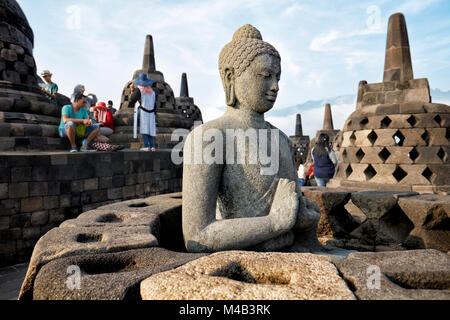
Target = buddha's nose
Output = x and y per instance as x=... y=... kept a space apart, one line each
x=274 y=87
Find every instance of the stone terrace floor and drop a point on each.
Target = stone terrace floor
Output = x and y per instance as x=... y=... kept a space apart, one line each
x=11 y=279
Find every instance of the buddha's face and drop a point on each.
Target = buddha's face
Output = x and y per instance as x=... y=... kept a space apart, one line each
x=257 y=87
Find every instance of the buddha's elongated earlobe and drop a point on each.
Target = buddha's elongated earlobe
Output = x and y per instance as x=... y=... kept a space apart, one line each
x=229 y=87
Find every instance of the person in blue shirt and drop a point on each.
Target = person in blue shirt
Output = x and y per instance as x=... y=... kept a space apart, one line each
x=75 y=123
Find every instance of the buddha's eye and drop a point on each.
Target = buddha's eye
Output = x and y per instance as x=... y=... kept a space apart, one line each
x=265 y=74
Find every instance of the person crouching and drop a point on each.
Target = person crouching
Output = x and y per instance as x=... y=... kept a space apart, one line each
x=75 y=123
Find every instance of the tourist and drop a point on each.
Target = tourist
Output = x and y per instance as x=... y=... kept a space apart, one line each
x=91 y=99
x=145 y=112
x=104 y=118
x=50 y=89
x=325 y=160
x=111 y=108
x=75 y=123
x=309 y=175
x=301 y=174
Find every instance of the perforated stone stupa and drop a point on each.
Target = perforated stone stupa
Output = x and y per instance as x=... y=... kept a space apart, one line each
x=328 y=128
x=185 y=103
x=396 y=139
x=28 y=120
x=168 y=116
x=299 y=142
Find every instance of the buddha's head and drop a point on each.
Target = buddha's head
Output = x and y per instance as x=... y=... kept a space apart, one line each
x=250 y=70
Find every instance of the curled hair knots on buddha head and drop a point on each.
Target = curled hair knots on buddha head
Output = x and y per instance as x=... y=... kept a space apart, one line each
x=246 y=45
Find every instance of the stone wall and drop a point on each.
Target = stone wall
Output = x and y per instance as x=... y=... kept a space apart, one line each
x=39 y=191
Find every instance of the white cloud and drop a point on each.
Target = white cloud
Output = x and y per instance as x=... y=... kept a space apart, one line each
x=320 y=43
x=313 y=79
x=293 y=9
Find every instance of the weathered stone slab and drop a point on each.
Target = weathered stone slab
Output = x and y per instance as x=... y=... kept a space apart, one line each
x=241 y=275
x=335 y=219
x=430 y=215
x=111 y=276
x=64 y=242
x=109 y=218
x=386 y=224
x=415 y=274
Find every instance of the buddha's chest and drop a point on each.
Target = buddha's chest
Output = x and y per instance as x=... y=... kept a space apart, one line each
x=250 y=185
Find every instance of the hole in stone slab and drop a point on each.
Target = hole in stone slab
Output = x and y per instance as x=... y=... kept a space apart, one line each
x=399 y=174
x=438 y=120
x=413 y=280
x=364 y=122
x=110 y=218
x=396 y=225
x=385 y=122
x=437 y=219
x=384 y=154
x=177 y=197
x=428 y=174
x=426 y=137
x=413 y=154
x=447 y=134
x=110 y=264
x=349 y=170
x=352 y=138
x=399 y=138
x=360 y=154
x=441 y=154
x=370 y=172
x=412 y=121
x=372 y=137
x=140 y=205
x=235 y=271
x=171 y=232
x=355 y=212
x=87 y=238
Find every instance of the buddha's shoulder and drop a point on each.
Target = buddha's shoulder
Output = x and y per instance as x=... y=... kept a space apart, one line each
x=283 y=136
x=221 y=124
x=225 y=123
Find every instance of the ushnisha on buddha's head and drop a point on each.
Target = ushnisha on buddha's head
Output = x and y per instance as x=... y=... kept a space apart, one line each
x=250 y=70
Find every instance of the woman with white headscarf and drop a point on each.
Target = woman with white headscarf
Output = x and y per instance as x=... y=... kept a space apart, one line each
x=144 y=114
x=91 y=99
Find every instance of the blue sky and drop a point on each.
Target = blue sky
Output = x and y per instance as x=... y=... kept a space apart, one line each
x=326 y=47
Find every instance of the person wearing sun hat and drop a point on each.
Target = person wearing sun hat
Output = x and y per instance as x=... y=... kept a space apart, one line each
x=144 y=114
x=50 y=89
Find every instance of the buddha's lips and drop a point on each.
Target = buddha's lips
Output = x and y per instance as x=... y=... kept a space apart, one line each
x=271 y=97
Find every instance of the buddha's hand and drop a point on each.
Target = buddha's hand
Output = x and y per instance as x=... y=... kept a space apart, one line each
x=283 y=212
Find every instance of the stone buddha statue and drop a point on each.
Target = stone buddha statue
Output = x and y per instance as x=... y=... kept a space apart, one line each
x=240 y=185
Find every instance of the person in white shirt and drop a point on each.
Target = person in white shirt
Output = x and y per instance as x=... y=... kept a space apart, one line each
x=301 y=174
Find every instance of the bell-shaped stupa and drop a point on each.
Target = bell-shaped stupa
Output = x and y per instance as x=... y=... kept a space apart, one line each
x=28 y=120
x=396 y=139
x=168 y=116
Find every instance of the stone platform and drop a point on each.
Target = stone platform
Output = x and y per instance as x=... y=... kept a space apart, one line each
x=38 y=191
x=11 y=279
x=381 y=220
x=134 y=250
